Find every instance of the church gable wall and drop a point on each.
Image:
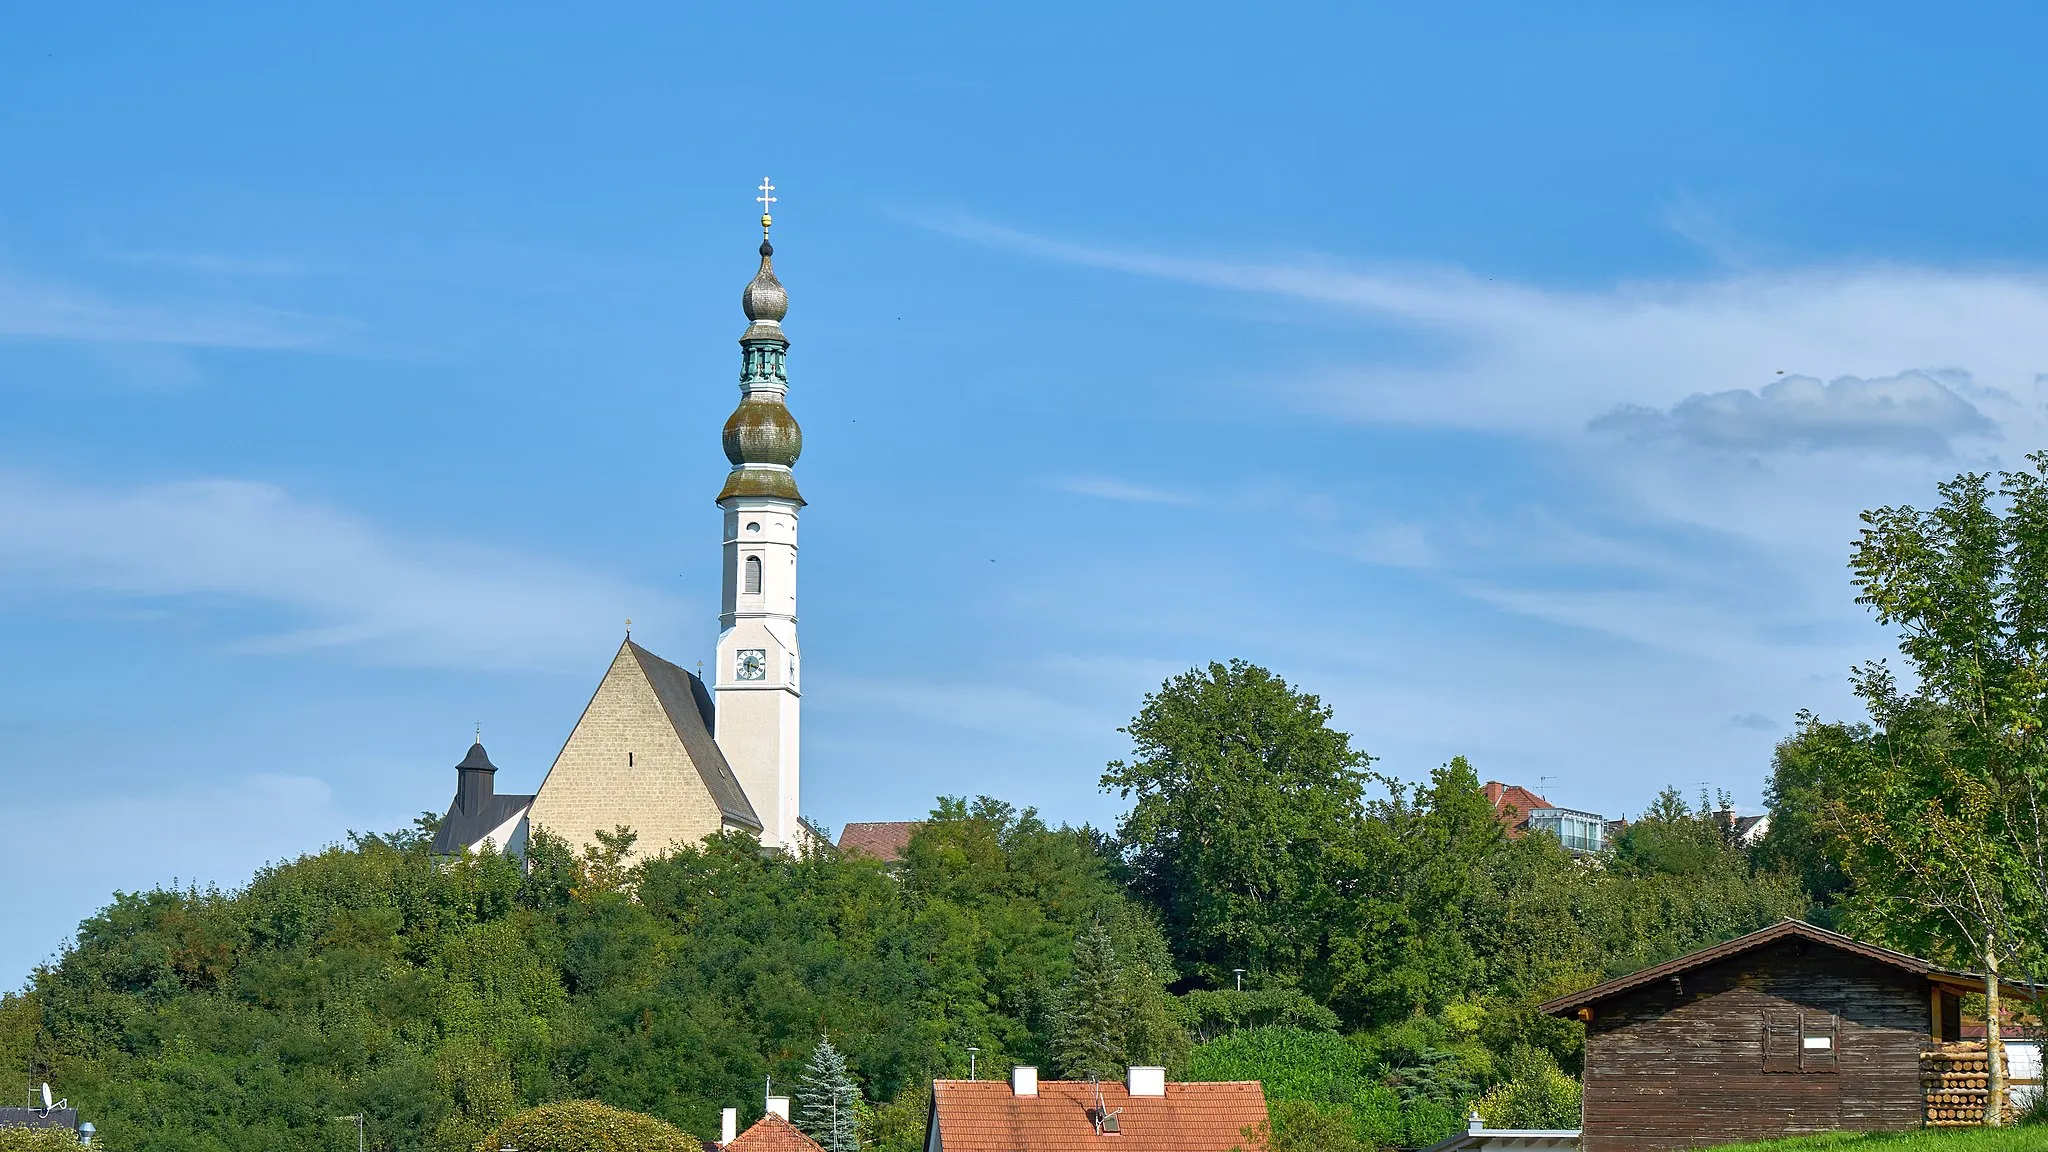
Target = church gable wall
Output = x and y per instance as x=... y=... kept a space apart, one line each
x=624 y=764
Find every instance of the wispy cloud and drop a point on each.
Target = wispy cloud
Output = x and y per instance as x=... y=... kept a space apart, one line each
x=1524 y=358
x=1111 y=488
x=41 y=309
x=340 y=581
x=203 y=263
x=1708 y=442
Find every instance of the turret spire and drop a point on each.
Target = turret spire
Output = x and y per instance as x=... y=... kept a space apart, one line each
x=762 y=439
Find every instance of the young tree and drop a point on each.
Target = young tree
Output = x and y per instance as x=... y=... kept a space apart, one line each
x=1088 y=1026
x=1938 y=809
x=827 y=1099
x=1244 y=827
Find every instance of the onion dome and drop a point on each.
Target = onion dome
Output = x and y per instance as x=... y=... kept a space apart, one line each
x=761 y=431
x=761 y=438
x=764 y=298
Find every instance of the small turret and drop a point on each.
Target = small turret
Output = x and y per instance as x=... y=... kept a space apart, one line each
x=475 y=781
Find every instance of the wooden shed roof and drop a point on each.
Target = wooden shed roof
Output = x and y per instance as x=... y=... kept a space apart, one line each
x=1952 y=978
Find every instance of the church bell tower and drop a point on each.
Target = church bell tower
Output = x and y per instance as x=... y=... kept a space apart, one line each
x=757 y=682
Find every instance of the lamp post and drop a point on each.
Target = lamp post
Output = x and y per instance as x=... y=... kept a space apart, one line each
x=357 y=1120
x=1240 y=978
x=971 y=1052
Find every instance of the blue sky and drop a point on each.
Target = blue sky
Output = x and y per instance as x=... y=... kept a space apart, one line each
x=1510 y=376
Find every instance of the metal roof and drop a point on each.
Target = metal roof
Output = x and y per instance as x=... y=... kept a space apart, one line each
x=1780 y=931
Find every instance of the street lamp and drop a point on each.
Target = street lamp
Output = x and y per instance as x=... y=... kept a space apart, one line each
x=1240 y=978
x=357 y=1120
x=971 y=1051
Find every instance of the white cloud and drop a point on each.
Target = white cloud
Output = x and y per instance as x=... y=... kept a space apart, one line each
x=1111 y=488
x=345 y=584
x=1912 y=412
x=39 y=309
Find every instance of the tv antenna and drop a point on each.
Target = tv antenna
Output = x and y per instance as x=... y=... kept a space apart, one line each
x=1105 y=1120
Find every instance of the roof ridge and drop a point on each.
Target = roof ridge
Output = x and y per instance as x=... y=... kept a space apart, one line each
x=705 y=755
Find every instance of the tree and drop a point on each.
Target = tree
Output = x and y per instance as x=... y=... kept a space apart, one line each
x=827 y=1100
x=1245 y=818
x=1088 y=1026
x=1936 y=811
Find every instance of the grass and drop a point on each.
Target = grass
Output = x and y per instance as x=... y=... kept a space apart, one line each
x=2033 y=1138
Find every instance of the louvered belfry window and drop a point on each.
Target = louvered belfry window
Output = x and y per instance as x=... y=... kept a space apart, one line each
x=753 y=584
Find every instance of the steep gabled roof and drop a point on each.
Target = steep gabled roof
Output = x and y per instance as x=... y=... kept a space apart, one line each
x=773 y=1134
x=1783 y=930
x=687 y=704
x=1506 y=796
x=987 y=1116
x=885 y=840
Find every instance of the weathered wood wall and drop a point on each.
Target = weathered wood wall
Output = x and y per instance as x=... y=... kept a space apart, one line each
x=1709 y=1061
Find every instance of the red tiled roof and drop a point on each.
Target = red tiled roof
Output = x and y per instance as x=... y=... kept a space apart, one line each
x=885 y=840
x=773 y=1134
x=1506 y=796
x=986 y=1116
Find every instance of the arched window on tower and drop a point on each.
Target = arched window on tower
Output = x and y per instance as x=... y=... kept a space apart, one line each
x=753 y=584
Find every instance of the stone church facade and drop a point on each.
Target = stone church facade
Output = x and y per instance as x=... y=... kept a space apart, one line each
x=656 y=750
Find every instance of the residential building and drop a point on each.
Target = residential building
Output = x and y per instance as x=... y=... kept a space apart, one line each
x=1144 y=1113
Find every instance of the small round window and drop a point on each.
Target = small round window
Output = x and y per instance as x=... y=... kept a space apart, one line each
x=753 y=527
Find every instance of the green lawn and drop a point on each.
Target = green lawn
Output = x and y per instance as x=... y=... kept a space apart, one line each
x=2030 y=1139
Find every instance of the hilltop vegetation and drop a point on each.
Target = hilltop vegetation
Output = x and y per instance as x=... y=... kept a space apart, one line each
x=1394 y=940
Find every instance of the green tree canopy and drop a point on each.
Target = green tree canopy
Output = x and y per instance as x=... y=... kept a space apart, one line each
x=1243 y=829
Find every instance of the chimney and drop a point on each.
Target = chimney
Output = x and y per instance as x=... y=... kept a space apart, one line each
x=473 y=780
x=779 y=1105
x=728 y=1125
x=1024 y=1080
x=1146 y=1081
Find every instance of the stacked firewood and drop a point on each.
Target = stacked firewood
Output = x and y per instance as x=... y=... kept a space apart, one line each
x=1957 y=1079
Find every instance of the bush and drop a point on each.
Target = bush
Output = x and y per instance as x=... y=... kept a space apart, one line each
x=587 y=1126
x=1534 y=1094
x=39 y=1140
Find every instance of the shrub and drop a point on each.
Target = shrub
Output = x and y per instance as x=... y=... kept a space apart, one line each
x=587 y=1126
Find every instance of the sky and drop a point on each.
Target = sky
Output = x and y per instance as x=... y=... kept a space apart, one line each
x=1509 y=376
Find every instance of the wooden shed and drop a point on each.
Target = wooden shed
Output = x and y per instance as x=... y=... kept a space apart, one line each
x=1788 y=1030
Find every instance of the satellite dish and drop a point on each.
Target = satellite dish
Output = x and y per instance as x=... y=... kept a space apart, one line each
x=46 y=1096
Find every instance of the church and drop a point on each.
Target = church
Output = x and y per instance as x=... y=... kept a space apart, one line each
x=655 y=749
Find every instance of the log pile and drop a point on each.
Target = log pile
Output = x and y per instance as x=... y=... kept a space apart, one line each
x=1957 y=1079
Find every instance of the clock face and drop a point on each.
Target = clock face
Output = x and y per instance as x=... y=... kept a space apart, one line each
x=753 y=664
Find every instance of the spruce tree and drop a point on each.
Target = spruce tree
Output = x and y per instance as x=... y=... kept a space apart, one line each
x=827 y=1099
x=1088 y=1028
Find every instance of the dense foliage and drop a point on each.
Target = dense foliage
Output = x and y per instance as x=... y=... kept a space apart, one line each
x=1393 y=941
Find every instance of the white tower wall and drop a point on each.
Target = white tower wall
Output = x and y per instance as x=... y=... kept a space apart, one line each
x=758 y=681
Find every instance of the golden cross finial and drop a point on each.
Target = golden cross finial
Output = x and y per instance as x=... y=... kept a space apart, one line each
x=629 y=627
x=767 y=202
